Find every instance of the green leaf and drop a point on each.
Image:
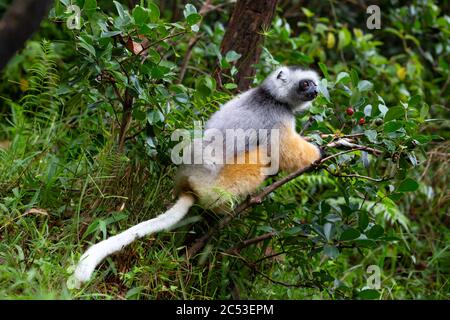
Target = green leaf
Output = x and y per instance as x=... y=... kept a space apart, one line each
x=232 y=56
x=327 y=228
x=322 y=88
x=394 y=113
x=368 y=110
x=369 y=294
x=205 y=86
x=424 y=111
x=354 y=76
x=294 y=230
x=375 y=232
x=412 y=158
x=134 y=293
x=365 y=159
x=365 y=243
x=383 y=109
x=188 y=10
x=408 y=185
x=324 y=207
x=154 y=116
x=345 y=38
x=414 y=100
x=91 y=228
x=110 y=34
x=153 y=56
x=116 y=217
x=195 y=28
x=308 y=13
x=141 y=15
x=324 y=69
x=84 y=44
x=139 y=115
x=154 y=12
x=302 y=58
x=230 y=86
x=193 y=19
x=392 y=126
x=350 y=234
x=90 y=5
x=342 y=76
x=159 y=72
x=364 y=85
x=333 y=217
x=119 y=9
x=330 y=251
x=363 y=220
x=371 y=135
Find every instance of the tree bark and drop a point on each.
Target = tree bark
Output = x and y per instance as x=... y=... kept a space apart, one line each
x=18 y=24
x=243 y=35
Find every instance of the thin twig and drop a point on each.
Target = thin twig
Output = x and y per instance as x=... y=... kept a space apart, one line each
x=304 y=284
x=357 y=176
x=236 y=249
x=192 y=42
x=160 y=40
x=344 y=142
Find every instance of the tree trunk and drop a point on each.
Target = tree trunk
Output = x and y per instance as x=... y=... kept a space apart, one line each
x=18 y=24
x=243 y=35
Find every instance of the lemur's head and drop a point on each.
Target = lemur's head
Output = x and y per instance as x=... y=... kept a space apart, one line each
x=294 y=86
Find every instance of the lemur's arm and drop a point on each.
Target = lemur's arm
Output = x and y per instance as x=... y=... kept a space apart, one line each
x=295 y=152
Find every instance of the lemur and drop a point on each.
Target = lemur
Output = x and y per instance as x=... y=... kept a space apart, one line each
x=272 y=105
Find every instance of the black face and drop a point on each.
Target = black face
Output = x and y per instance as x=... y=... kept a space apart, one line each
x=307 y=90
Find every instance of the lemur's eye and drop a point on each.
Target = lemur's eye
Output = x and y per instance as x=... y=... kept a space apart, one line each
x=304 y=84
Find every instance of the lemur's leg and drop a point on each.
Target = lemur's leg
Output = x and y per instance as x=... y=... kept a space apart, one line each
x=242 y=179
x=295 y=152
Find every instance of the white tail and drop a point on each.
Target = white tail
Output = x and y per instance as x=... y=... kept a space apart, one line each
x=95 y=254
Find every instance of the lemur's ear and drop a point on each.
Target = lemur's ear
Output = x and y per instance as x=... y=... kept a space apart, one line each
x=281 y=75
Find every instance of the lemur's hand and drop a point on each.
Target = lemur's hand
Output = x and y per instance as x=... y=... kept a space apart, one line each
x=320 y=152
x=323 y=152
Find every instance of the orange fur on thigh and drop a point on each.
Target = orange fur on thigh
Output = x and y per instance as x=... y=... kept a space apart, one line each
x=295 y=152
x=241 y=179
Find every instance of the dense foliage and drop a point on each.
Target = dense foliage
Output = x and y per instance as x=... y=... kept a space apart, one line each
x=85 y=126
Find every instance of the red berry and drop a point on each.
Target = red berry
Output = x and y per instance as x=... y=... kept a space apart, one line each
x=350 y=111
x=362 y=121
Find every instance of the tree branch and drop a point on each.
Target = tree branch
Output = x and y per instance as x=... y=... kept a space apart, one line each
x=192 y=42
x=300 y=284
x=18 y=24
x=245 y=243
x=345 y=142
x=245 y=35
x=356 y=176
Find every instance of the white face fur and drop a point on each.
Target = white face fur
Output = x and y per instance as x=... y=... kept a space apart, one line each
x=283 y=85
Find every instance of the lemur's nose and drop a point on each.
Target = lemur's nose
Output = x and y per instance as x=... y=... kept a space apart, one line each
x=309 y=87
x=312 y=92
